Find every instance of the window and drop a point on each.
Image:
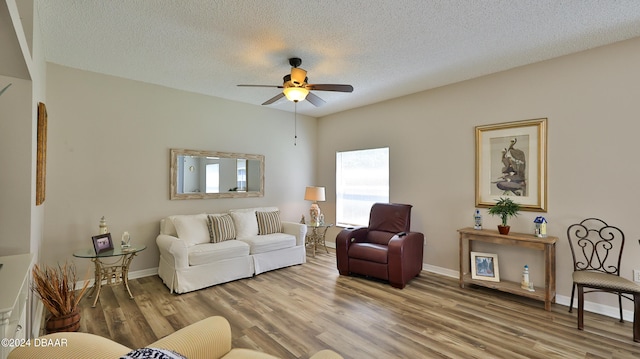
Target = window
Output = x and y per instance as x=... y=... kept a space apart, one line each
x=213 y=178
x=362 y=179
x=241 y=174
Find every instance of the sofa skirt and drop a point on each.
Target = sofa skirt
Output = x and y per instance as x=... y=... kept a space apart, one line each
x=264 y=262
x=192 y=278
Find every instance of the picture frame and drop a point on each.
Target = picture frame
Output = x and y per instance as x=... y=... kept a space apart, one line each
x=484 y=266
x=41 y=156
x=102 y=242
x=511 y=161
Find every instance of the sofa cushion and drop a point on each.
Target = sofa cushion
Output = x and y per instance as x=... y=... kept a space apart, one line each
x=192 y=228
x=212 y=252
x=245 y=223
x=268 y=222
x=269 y=242
x=221 y=228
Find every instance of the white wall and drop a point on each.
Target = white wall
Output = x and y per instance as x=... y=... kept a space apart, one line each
x=108 y=155
x=591 y=102
x=23 y=66
x=15 y=161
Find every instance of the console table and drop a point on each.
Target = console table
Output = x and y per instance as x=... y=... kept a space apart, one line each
x=547 y=245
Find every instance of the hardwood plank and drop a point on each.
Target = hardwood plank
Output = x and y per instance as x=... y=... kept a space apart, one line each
x=294 y=312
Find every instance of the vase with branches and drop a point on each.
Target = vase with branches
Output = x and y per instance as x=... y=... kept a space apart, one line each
x=505 y=208
x=57 y=288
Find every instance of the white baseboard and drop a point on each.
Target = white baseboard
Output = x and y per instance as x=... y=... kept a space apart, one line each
x=597 y=308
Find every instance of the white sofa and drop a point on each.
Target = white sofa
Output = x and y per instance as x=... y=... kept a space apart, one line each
x=190 y=259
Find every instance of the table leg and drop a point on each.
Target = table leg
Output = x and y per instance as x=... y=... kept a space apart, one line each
x=324 y=239
x=97 y=285
x=462 y=260
x=125 y=272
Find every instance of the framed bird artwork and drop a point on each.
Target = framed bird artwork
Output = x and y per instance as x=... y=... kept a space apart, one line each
x=511 y=160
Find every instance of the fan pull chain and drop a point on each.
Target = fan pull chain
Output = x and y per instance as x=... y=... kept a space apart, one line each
x=295 y=123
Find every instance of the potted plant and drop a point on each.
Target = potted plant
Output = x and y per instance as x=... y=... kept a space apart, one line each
x=504 y=208
x=56 y=287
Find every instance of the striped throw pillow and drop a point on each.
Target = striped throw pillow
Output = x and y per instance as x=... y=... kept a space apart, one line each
x=221 y=228
x=269 y=222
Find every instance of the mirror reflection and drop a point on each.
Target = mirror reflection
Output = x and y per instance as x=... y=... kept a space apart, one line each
x=208 y=174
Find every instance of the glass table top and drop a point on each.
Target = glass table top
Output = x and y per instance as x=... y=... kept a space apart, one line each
x=117 y=251
x=319 y=225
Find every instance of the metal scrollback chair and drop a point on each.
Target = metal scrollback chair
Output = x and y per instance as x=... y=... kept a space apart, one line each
x=596 y=248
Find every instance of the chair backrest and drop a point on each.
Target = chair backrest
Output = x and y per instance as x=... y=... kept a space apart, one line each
x=387 y=219
x=596 y=246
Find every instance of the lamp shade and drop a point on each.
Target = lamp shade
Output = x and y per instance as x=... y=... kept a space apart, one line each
x=314 y=194
x=295 y=94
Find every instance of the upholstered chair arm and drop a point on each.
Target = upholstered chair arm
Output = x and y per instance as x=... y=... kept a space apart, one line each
x=174 y=250
x=297 y=229
x=405 y=257
x=343 y=240
x=209 y=338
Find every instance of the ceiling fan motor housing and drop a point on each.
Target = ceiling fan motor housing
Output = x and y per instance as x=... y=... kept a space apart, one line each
x=295 y=61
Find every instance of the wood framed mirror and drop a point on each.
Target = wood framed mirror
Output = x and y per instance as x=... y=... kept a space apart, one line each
x=209 y=174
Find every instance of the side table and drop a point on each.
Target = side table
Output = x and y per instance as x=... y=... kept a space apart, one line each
x=315 y=236
x=115 y=272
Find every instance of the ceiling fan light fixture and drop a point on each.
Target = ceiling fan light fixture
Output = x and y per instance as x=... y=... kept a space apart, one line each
x=295 y=94
x=298 y=76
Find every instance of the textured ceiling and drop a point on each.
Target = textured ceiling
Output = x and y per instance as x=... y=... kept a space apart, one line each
x=384 y=48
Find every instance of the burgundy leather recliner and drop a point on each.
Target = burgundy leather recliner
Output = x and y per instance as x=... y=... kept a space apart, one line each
x=386 y=249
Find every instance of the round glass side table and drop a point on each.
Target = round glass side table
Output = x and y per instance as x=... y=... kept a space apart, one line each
x=113 y=273
x=316 y=236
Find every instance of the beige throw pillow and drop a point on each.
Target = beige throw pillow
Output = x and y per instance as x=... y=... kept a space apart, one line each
x=245 y=222
x=192 y=228
x=221 y=228
x=269 y=222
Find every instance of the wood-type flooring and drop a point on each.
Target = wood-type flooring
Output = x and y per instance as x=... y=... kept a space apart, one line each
x=294 y=312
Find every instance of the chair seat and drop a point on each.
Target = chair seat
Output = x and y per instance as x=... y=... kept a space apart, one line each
x=369 y=251
x=604 y=280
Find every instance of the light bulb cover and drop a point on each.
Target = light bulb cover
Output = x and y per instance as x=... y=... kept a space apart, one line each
x=295 y=94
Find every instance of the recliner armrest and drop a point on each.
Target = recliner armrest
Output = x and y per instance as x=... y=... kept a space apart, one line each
x=343 y=241
x=405 y=258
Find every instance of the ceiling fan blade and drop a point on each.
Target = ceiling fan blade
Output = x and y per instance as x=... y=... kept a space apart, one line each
x=330 y=87
x=276 y=86
x=315 y=100
x=274 y=99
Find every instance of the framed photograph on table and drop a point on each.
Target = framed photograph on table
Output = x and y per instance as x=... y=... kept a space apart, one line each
x=102 y=242
x=511 y=161
x=484 y=266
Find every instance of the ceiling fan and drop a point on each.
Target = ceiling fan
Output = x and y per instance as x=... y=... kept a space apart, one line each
x=295 y=86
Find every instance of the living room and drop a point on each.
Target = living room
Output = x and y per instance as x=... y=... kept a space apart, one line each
x=109 y=140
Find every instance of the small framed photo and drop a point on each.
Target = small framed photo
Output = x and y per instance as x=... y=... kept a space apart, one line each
x=484 y=266
x=102 y=242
